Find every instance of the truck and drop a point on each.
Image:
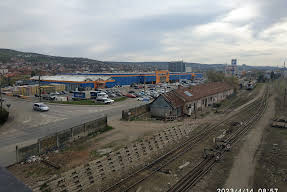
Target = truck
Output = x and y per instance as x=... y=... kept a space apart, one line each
x=81 y=95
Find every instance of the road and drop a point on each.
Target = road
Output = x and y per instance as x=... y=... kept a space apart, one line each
x=25 y=126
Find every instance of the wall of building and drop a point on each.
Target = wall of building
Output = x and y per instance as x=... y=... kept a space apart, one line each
x=178 y=66
x=160 y=108
x=130 y=78
x=204 y=102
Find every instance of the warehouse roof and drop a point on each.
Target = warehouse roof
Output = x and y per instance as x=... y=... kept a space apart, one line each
x=73 y=78
x=182 y=95
x=203 y=90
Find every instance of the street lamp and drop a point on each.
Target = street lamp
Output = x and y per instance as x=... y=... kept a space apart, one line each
x=1 y=100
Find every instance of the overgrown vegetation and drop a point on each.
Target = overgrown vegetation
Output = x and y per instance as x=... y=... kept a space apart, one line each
x=81 y=102
x=214 y=76
x=120 y=99
x=87 y=102
x=3 y=116
x=271 y=167
x=107 y=128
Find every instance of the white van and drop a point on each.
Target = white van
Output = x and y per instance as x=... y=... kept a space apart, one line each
x=102 y=96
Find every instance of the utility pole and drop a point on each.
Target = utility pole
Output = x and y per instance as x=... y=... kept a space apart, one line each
x=40 y=97
x=1 y=92
x=285 y=96
x=144 y=85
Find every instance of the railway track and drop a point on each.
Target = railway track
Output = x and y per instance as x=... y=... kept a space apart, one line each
x=192 y=177
x=142 y=174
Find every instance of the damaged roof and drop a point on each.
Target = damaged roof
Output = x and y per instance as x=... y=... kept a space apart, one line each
x=173 y=99
x=182 y=95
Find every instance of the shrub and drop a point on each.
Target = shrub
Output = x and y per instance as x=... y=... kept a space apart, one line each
x=3 y=116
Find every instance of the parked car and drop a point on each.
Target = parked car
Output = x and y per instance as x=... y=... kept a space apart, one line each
x=40 y=107
x=132 y=92
x=119 y=94
x=147 y=98
x=106 y=101
x=131 y=95
x=113 y=95
x=63 y=92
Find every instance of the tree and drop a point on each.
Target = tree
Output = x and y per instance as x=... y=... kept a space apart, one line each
x=272 y=75
x=214 y=76
x=33 y=73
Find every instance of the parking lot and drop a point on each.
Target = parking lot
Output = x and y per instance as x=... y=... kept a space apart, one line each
x=25 y=125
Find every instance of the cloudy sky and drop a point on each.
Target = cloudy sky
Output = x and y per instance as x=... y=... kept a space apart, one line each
x=205 y=31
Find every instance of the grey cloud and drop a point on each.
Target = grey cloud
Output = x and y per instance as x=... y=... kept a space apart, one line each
x=271 y=12
x=73 y=28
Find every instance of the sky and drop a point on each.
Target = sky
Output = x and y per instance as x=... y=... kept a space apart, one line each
x=206 y=31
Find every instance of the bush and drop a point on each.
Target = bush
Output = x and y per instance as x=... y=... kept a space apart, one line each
x=3 y=116
x=216 y=105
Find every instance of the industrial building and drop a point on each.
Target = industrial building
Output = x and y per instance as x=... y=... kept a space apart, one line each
x=31 y=90
x=96 y=80
x=186 y=101
x=177 y=66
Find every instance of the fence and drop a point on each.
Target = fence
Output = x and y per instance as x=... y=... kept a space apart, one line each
x=132 y=113
x=105 y=171
x=59 y=139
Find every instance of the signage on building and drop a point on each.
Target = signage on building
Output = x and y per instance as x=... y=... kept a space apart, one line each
x=234 y=62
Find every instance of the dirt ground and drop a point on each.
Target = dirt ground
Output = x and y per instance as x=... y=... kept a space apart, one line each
x=164 y=179
x=87 y=149
x=271 y=158
x=243 y=168
x=124 y=132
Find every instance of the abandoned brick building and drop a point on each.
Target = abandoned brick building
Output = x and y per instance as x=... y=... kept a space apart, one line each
x=186 y=101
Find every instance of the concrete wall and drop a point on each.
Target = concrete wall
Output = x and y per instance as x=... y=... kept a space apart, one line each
x=132 y=113
x=59 y=139
x=107 y=170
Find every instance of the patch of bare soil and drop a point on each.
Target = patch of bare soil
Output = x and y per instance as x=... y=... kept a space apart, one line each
x=216 y=178
x=244 y=165
x=271 y=168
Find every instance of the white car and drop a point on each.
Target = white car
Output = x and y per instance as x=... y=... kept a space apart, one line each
x=146 y=98
x=107 y=101
x=40 y=107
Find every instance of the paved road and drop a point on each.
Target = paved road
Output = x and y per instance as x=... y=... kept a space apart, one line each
x=25 y=126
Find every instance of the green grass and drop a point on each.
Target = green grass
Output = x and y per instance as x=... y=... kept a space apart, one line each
x=87 y=102
x=120 y=99
x=81 y=102
x=95 y=154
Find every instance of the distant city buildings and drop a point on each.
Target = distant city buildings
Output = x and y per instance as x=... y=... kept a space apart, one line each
x=231 y=70
x=3 y=71
x=176 y=66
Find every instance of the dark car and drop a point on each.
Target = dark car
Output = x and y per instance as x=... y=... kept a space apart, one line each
x=131 y=95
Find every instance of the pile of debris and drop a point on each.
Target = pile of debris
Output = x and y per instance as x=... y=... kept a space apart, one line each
x=280 y=122
x=33 y=159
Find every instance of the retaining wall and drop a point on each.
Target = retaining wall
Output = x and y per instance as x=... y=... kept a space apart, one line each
x=110 y=168
x=59 y=139
x=132 y=113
